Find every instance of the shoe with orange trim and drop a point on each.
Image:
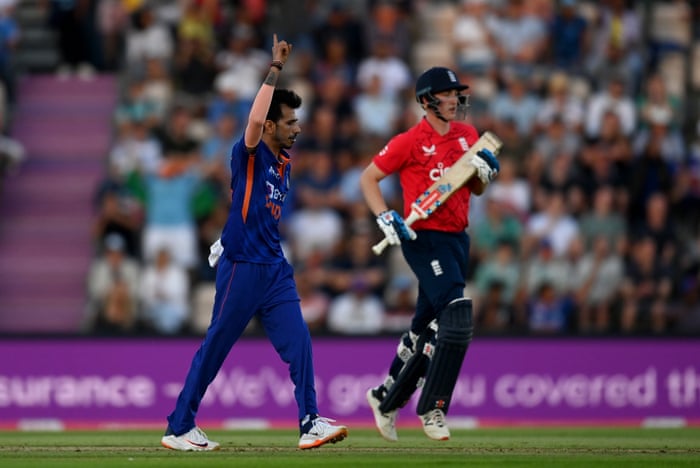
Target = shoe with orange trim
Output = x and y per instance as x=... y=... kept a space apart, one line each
x=319 y=431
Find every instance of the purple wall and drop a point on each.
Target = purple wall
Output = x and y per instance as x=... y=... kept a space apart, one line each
x=93 y=382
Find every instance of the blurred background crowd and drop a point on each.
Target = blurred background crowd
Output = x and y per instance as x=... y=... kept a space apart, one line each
x=592 y=227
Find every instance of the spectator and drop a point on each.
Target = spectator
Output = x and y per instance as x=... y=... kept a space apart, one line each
x=164 y=294
x=120 y=214
x=74 y=23
x=656 y=105
x=648 y=174
x=602 y=163
x=517 y=103
x=216 y=151
x=471 y=39
x=112 y=290
x=400 y=301
x=499 y=225
x=556 y=141
x=10 y=34
x=241 y=64
x=12 y=152
x=548 y=312
x=659 y=133
x=543 y=267
x=314 y=300
x=646 y=289
x=377 y=113
x=341 y=23
x=175 y=136
x=147 y=38
x=334 y=95
x=494 y=314
x=519 y=38
x=597 y=276
x=112 y=18
x=387 y=63
x=334 y=62
x=511 y=191
x=657 y=225
x=355 y=263
x=612 y=97
x=227 y=100
x=552 y=223
x=158 y=87
x=136 y=106
x=195 y=69
x=569 y=38
x=314 y=227
x=197 y=24
x=560 y=104
x=603 y=219
x=170 y=220
x=502 y=268
x=617 y=39
x=387 y=24
x=134 y=148
x=320 y=181
x=357 y=311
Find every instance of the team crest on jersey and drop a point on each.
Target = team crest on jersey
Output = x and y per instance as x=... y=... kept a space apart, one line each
x=463 y=143
x=271 y=171
x=428 y=150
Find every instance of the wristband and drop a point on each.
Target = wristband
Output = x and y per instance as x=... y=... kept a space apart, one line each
x=277 y=64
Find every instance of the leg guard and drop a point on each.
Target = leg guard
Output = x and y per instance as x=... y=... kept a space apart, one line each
x=453 y=338
x=413 y=370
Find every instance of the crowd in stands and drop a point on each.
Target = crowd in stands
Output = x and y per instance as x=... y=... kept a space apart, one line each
x=592 y=227
x=12 y=152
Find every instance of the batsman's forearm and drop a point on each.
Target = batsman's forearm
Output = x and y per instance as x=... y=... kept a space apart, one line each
x=369 y=184
x=258 y=111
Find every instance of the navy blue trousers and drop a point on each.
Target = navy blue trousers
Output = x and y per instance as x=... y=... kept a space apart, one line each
x=242 y=291
x=439 y=261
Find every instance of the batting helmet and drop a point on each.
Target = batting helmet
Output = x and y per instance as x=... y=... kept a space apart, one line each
x=435 y=80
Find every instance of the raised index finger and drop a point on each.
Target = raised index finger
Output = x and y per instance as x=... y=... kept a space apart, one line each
x=274 y=40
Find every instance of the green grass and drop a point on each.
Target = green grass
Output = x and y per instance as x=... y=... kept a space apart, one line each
x=536 y=447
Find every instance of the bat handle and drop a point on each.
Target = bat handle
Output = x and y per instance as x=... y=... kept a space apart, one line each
x=379 y=247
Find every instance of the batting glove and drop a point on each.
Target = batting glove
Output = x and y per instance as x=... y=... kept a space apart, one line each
x=486 y=164
x=394 y=227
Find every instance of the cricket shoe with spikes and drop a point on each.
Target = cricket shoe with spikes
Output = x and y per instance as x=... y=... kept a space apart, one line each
x=385 y=422
x=195 y=440
x=319 y=431
x=434 y=425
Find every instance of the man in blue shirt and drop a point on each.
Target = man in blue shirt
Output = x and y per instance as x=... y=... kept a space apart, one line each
x=253 y=277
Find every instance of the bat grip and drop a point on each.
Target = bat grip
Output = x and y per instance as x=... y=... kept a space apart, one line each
x=379 y=247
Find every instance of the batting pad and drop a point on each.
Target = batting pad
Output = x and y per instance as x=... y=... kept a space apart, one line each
x=455 y=331
x=415 y=368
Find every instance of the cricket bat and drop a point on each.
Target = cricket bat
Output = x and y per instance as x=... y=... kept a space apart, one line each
x=458 y=175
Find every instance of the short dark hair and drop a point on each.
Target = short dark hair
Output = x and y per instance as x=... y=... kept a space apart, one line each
x=279 y=97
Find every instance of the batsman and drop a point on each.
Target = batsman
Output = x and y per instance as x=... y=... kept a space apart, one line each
x=436 y=248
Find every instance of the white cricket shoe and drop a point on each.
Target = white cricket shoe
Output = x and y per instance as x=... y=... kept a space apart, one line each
x=322 y=432
x=385 y=422
x=194 y=440
x=434 y=425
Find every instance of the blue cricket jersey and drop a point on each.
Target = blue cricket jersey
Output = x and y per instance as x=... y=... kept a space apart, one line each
x=259 y=186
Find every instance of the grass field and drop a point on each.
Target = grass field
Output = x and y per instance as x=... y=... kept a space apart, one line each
x=536 y=447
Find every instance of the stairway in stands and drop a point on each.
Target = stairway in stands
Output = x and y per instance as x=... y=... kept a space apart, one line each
x=46 y=208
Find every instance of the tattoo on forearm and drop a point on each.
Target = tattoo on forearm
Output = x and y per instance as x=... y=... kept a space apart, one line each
x=271 y=78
